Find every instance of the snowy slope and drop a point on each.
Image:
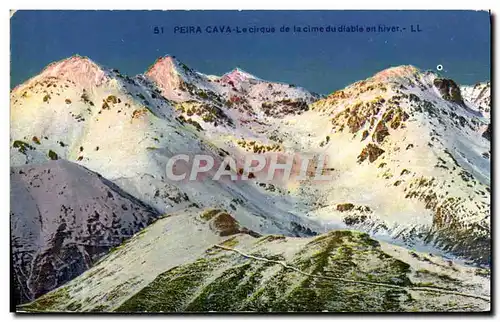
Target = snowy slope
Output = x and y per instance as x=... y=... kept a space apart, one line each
x=63 y=219
x=125 y=130
x=435 y=160
x=396 y=134
x=479 y=96
x=216 y=265
x=241 y=96
x=406 y=149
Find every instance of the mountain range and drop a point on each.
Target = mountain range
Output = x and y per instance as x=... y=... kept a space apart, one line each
x=96 y=225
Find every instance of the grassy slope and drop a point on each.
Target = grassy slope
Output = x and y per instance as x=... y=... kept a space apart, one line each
x=225 y=281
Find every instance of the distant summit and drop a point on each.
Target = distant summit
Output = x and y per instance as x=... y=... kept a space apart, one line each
x=395 y=73
x=76 y=69
x=237 y=75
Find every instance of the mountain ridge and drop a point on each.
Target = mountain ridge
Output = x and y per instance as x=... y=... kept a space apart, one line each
x=400 y=133
x=250 y=75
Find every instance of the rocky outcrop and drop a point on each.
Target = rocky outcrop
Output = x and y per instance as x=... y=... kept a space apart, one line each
x=449 y=90
x=224 y=224
x=370 y=152
x=487 y=133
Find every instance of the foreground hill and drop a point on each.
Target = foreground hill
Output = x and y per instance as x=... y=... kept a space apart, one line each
x=217 y=265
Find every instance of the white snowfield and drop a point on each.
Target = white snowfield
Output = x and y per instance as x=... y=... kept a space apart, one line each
x=409 y=159
x=479 y=97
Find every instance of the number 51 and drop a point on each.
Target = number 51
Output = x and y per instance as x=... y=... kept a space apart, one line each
x=158 y=30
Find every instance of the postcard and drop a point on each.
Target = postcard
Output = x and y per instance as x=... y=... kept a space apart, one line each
x=250 y=161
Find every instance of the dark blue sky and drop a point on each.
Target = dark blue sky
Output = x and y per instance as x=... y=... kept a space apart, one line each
x=321 y=62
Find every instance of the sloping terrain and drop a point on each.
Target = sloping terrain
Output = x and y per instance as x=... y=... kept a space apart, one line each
x=123 y=129
x=409 y=155
x=479 y=96
x=409 y=162
x=63 y=219
x=216 y=265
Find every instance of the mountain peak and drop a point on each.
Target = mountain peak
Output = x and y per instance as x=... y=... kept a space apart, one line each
x=161 y=61
x=237 y=75
x=169 y=74
x=393 y=73
x=169 y=64
x=76 y=59
x=78 y=69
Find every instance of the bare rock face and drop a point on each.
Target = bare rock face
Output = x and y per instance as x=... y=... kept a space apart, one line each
x=487 y=133
x=449 y=90
x=285 y=107
x=370 y=152
x=63 y=219
x=223 y=224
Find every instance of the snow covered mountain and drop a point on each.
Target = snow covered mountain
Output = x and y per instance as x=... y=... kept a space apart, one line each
x=141 y=132
x=63 y=219
x=124 y=129
x=236 y=95
x=409 y=135
x=478 y=96
x=407 y=151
